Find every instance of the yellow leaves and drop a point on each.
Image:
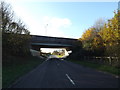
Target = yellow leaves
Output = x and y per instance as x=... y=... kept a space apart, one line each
x=111 y=33
x=87 y=34
x=80 y=39
x=98 y=42
x=104 y=39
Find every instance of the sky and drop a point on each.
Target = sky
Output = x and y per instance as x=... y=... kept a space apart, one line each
x=61 y=19
x=65 y=18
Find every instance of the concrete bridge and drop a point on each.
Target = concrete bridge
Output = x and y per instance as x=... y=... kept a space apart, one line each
x=38 y=42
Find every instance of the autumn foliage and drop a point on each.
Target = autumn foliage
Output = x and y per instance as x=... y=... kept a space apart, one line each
x=106 y=40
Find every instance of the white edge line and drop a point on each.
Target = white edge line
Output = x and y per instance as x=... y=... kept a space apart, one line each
x=47 y=59
x=70 y=79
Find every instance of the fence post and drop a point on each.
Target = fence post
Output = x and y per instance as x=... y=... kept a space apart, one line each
x=109 y=60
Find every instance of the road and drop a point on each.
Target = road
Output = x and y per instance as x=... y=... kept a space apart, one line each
x=56 y=73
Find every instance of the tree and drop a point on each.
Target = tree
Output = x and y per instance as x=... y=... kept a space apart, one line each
x=91 y=39
x=15 y=36
x=9 y=25
x=7 y=16
x=111 y=35
x=55 y=52
x=87 y=38
x=99 y=24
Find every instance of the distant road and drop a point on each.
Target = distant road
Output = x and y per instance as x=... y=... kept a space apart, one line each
x=56 y=73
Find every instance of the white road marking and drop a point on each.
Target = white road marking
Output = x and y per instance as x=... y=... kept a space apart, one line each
x=70 y=79
x=117 y=76
x=46 y=60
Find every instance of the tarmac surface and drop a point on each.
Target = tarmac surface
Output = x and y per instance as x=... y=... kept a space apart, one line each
x=57 y=73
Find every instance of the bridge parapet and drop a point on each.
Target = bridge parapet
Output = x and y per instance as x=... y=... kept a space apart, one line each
x=54 y=40
x=38 y=42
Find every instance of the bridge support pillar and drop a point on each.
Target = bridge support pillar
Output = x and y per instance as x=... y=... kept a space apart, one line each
x=37 y=48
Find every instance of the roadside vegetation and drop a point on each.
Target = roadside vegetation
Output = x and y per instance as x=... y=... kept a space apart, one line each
x=16 y=56
x=15 y=36
x=99 y=67
x=15 y=67
x=59 y=53
x=100 y=47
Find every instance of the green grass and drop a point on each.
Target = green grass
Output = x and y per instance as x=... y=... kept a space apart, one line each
x=100 y=67
x=16 y=67
x=59 y=56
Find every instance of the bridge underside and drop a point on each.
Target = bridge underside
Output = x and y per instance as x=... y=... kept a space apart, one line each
x=37 y=46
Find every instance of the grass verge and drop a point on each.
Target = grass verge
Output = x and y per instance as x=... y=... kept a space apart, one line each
x=16 y=67
x=105 y=68
x=59 y=56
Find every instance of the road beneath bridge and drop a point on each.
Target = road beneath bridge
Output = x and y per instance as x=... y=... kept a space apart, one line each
x=56 y=73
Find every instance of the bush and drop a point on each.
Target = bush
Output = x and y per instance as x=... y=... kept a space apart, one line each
x=15 y=44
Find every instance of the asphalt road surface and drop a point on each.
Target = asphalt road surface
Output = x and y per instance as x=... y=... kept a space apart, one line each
x=56 y=73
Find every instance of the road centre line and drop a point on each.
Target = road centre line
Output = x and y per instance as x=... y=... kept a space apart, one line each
x=46 y=60
x=70 y=79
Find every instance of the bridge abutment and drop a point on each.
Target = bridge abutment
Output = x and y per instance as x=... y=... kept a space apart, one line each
x=35 y=47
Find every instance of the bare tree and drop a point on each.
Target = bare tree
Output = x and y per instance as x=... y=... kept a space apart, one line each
x=99 y=24
x=6 y=15
x=9 y=25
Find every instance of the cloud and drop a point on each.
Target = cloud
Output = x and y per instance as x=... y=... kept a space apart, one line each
x=43 y=25
x=54 y=25
x=57 y=22
x=60 y=22
x=48 y=26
